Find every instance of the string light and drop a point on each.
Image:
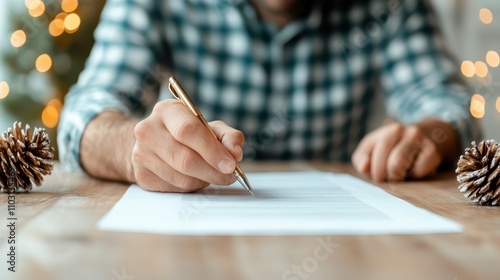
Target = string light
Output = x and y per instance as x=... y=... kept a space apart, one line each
x=36 y=8
x=18 y=38
x=493 y=59
x=56 y=27
x=69 y=5
x=477 y=106
x=43 y=63
x=481 y=69
x=72 y=22
x=468 y=69
x=4 y=89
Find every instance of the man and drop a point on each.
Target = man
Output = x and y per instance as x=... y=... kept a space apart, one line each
x=295 y=77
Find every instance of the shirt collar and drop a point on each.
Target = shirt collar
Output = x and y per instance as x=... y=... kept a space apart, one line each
x=311 y=22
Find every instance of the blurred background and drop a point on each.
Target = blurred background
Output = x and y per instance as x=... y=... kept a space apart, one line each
x=44 y=44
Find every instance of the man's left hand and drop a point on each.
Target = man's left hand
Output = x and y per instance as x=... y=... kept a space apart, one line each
x=396 y=152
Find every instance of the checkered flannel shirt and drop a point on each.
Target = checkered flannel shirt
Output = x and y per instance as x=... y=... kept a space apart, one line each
x=301 y=92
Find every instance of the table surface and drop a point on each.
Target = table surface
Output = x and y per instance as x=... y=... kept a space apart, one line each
x=57 y=238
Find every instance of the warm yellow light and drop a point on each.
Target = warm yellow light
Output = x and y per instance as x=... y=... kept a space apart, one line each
x=69 y=5
x=18 y=38
x=493 y=58
x=50 y=116
x=43 y=63
x=498 y=104
x=477 y=106
x=61 y=16
x=56 y=103
x=4 y=89
x=468 y=69
x=72 y=22
x=56 y=27
x=481 y=69
x=36 y=8
x=485 y=15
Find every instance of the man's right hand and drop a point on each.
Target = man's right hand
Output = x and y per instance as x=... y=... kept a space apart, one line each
x=175 y=152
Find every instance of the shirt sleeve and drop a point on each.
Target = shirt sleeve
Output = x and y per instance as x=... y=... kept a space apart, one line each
x=418 y=73
x=120 y=74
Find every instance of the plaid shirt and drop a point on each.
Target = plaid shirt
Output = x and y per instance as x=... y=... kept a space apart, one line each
x=301 y=92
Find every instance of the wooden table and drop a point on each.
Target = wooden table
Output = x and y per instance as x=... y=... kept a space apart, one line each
x=57 y=239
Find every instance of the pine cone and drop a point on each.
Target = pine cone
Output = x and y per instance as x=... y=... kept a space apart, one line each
x=24 y=158
x=479 y=172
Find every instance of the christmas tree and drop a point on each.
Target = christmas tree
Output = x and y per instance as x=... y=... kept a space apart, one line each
x=50 y=42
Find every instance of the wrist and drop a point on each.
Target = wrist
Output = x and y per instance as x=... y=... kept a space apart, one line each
x=106 y=147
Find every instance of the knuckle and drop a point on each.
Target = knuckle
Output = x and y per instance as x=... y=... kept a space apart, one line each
x=141 y=130
x=397 y=128
x=414 y=132
x=184 y=129
x=161 y=106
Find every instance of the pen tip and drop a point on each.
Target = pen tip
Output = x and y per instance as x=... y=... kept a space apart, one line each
x=251 y=192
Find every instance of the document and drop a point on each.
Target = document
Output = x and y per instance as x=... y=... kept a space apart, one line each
x=298 y=203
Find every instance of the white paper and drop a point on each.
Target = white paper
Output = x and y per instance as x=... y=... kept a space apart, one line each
x=284 y=204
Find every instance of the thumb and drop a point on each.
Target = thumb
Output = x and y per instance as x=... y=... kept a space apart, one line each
x=231 y=138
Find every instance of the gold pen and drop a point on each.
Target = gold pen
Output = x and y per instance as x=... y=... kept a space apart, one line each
x=176 y=89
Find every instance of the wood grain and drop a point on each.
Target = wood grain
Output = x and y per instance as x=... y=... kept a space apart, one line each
x=57 y=239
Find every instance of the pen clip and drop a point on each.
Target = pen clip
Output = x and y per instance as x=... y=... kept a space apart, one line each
x=178 y=92
x=174 y=93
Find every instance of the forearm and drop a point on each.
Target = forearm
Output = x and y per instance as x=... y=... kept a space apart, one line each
x=444 y=136
x=106 y=147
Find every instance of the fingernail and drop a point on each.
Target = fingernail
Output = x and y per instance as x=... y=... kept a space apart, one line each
x=239 y=151
x=226 y=166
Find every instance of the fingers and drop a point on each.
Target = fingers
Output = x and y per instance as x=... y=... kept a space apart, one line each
x=150 y=181
x=387 y=138
x=362 y=155
x=188 y=162
x=175 y=152
x=428 y=160
x=188 y=130
x=231 y=138
x=402 y=158
x=394 y=152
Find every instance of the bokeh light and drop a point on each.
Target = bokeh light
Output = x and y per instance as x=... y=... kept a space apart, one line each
x=36 y=8
x=4 y=89
x=56 y=27
x=43 y=63
x=69 y=5
x=56 y=103
x=481 y=69
x=50 y=116
x=468 y=69
x=493 y=59
x=72 y=22
x=498 y=104
x=485 y=15
x=18 y=38
x=477 y=106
